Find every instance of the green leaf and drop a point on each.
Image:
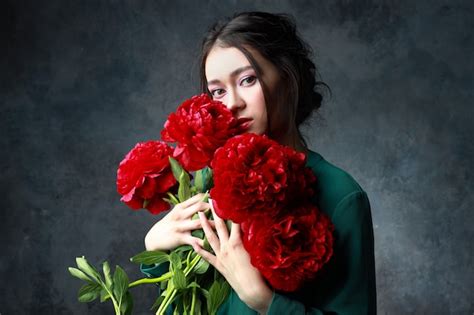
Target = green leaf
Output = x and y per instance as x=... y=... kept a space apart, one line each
x=87 y=268
x=150 y=257
x=175 y=260
x=205 y=198
x=199 y=180
x=127 y=304
x=205 y=293
x=169 y=201
x=145 y=203
x=207 y=246
x=104 y=295
x=217 y=295
x=201 y=267
x=198 y=233
x=193 y=284
x=208 y=181
x=107 y=275
x=173 y=198
x=176 y=168
x=120 y=283
x=79 y=274
x=163 y=285
x=185 y=301
x=183 y=248
x=89 y=292
x=183 y=190
x=197 y=307
x=179 y=279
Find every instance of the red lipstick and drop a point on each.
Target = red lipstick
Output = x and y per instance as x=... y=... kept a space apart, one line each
x=244 y=123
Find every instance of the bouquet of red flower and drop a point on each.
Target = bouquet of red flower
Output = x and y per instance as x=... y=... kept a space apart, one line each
x=257 y=182
x=154 y=176
x=266 y=188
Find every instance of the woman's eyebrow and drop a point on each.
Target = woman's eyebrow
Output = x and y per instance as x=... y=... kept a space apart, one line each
x=232 y=74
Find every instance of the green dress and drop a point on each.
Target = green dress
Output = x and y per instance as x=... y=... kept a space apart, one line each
x=346 y=284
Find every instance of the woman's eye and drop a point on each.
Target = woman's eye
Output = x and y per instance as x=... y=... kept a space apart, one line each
x=249 y=80
x=214 y=91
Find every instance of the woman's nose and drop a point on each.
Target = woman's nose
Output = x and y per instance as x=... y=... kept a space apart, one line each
x=235 y=102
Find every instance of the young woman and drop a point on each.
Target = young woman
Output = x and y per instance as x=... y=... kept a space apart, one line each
x=258 y=66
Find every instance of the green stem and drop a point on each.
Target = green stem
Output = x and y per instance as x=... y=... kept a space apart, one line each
x=116 y=307
x=114 y=302
x=170 y=300
x=193 y=301
x=191 y=266
x=170 y=296
x=119 y=307
x=164 y=305
x=166 y=276
x=188 y=256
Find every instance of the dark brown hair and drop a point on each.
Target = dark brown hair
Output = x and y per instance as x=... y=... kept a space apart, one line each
x=275 y=37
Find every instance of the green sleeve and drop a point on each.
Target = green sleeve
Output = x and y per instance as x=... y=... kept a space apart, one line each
x=154 y=271
x=282 y=305
x=351 y=287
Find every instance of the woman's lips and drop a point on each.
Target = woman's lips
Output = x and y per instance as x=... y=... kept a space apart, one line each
x=244 y=123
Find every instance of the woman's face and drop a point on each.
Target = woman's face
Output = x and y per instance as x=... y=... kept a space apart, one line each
x=232 y=80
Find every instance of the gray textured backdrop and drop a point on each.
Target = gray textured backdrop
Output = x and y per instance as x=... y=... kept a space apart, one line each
x=83 y=81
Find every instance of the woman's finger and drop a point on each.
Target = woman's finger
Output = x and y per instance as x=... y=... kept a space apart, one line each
x=190 y=225
x=206 y=256
x=193 y=241
x=192 y=209
x=211 y=236
x=235 y=233
x=221 y=227
x=192 y=200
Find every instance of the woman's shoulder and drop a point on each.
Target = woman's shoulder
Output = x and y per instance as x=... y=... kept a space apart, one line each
x=333 y=184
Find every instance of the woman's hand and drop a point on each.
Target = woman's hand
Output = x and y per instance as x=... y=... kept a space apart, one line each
x=174 y=229
x=233 y=262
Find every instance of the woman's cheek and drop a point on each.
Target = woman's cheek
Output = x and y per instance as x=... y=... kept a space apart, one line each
x=259 y=125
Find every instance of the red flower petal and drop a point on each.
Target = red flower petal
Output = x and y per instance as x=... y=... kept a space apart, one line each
x=145 y=174
x=199 y=126
x=289 y=249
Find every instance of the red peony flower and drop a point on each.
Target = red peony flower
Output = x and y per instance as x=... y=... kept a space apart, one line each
x=254 y=174
x=200 y=125
x=288 y=250
x=144 y=176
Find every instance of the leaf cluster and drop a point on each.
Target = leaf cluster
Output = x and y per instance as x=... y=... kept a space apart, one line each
x=105 y=286
x=192 y=288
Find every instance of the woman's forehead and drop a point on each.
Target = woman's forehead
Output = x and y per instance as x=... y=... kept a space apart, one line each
x=221 y=62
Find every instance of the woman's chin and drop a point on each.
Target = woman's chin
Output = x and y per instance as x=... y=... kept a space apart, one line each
x=256 y=131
